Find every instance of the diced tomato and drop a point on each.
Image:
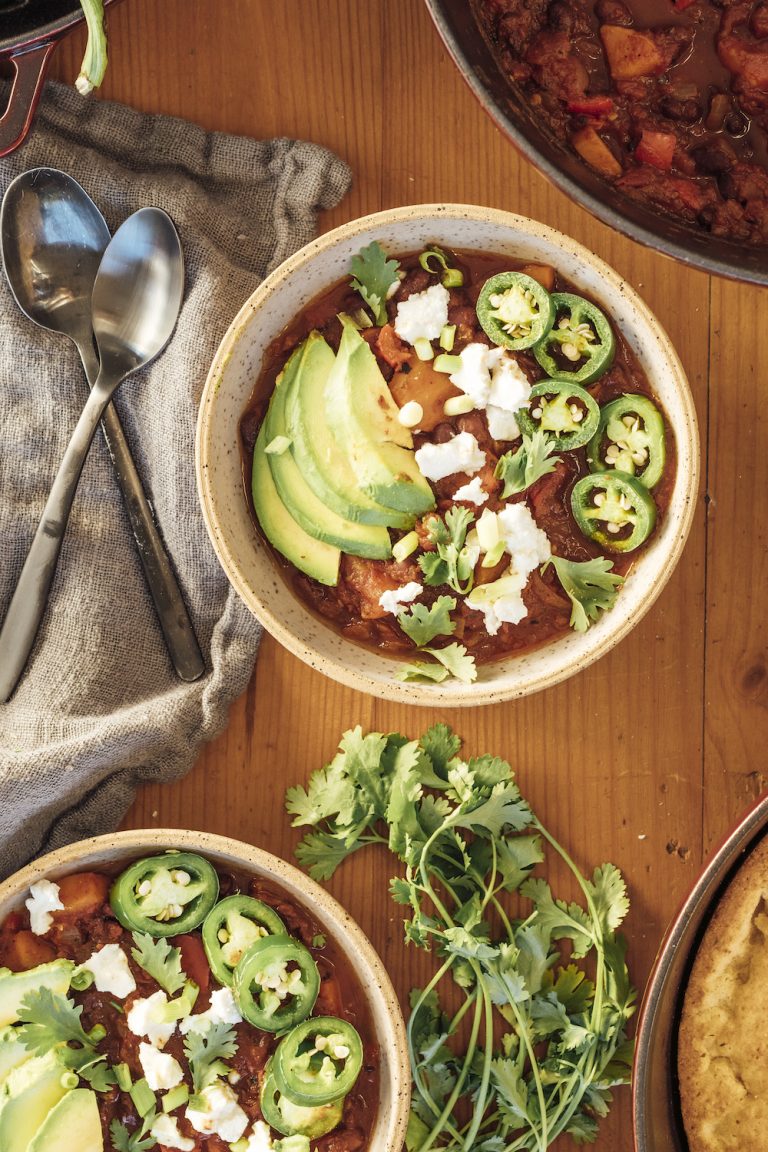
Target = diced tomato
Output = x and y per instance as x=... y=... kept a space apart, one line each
x=656 y=148
x=594 y=106
x=391 y=348
x=194 y=960
x=83 y=892
x=681 y=5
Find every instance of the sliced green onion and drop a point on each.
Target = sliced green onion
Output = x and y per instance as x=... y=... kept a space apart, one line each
x=424 y=349
x=362 y=319
x=143 y=1097
x=447 y=337
x=278 y=445
x=451 y=277
x=458 y=405
x=69 y=1080
x=447 y=364
x=97 y=1033
x=492 y=557
x=405 y=546
x=176 y=1098
x=81 y=979
x=123 y=1076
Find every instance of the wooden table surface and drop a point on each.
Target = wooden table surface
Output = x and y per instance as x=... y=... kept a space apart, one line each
x=646 y=758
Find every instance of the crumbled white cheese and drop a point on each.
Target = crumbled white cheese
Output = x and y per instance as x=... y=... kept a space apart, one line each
x=161 y=1070
x=526 y=543
x=423 y=315
x=110 y=971
x=222 y=1010
x=528 y=546
x=43 y=899
x=221 y=1114
x=493 y=380
x=460 y=454
x=502 y=425
x=472 y=492
x=147 y=1018
x=165 y=1130
x=500 y=601
x=393 y=598
x=260 y=1139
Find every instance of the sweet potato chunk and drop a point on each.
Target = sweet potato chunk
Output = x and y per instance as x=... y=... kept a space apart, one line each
x=83 y=891
x=543 y=273
x=429 y=388
x=26 y=950
x=630 y=53
x=592 y=148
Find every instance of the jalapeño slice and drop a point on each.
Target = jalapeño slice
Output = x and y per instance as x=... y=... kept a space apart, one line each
x=613 y=509
x=276 y=983
x=318 y=1061
x=165 y=895
x=514 y=310
x=292 y=1119
x=566 y=412
x=580 y=345
x=231 y=927
x=630 y=438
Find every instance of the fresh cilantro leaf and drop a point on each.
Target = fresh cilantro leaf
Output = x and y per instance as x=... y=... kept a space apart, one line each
x=457 y=660
x=453 y=562
x=125 y=1141
x=561 y=920
x=422 y=624
x=404 y=791
x=503 y=808
x=609 y=893
x=374 y=275
x=523 y=467
x=573 y=989
x=421 y=671
x=206 y=1052
x=591 y=586
x=329 y=791
x=98 y=1074
x=441 y=745
x=158 y=958
x=321 y=853
x=49 y=1019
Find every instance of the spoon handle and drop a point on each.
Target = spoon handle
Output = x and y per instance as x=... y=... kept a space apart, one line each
x=171 y=610
x=28 y=602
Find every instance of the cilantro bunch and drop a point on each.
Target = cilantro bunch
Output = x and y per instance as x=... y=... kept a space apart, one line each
x=538 y=1039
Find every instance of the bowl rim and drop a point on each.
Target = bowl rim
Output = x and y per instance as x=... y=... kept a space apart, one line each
x=376 y=983
x=732 y=267
x=450 y=694
x=696 y=908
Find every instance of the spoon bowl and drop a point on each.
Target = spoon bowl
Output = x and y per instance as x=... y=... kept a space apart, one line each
x=136 y=301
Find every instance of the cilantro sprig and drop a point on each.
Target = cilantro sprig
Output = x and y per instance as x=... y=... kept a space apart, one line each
x=125 y=1141
x=374 y=276
x=453 y=561
x=206 y=1052
x=50 y=1020
x=540 y=1038
x=160 y=960
x=590 y=585
x=528 y=463
x=422 y=625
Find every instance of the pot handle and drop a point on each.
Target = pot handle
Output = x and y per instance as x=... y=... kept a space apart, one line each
x=29 y=68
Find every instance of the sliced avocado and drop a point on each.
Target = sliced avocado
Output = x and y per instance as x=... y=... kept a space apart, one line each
x=29 y=1094
x=312 y=1122
x=72 y=1125
x=314 y=557
x=372 y=402
x=14 y=986
x=307 y=509
x=319 y=454
x=12 y=1053
x=386 y=472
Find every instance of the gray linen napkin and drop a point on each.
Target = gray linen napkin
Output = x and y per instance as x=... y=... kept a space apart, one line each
x=99 y=708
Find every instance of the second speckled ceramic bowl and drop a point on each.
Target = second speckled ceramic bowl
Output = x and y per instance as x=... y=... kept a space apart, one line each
x=114 y=852
x=250 y=565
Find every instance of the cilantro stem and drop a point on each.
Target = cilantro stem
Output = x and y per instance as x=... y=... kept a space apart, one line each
x=418 y=1081
x=481 y=1096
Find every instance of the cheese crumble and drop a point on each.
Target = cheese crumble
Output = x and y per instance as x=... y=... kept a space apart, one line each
x=423 y=315
x=43 y=899
x=392 y=599
x=462 y=453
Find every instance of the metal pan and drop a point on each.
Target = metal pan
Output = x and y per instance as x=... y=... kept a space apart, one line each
x=472 y=55
x=29 y=33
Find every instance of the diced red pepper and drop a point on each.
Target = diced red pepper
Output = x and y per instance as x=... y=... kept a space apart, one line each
x=193 y=959
x=656 y=148
x=595 y=106
x=681 y=5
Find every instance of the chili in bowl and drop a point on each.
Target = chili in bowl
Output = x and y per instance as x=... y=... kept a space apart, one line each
x=199 y=996
x=467 y=455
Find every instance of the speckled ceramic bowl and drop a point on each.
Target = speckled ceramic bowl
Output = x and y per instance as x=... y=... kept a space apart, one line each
x=250 y=565
x=113 y=852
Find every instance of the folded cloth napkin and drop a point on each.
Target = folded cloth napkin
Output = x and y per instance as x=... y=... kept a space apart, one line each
x=99 y=708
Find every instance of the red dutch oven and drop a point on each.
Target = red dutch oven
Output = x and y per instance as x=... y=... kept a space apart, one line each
x=29 y=32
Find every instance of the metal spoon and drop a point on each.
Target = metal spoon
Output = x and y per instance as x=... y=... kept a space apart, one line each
x=136 y=301
x=53 y=238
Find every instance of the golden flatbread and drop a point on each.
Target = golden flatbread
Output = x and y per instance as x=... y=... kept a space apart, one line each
x=723 y=1040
